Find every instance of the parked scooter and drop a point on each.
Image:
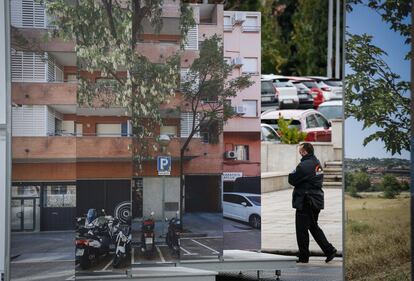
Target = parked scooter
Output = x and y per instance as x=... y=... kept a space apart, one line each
x=147 y=235
x=173 y=234
x=93 y=239
x=123 y=242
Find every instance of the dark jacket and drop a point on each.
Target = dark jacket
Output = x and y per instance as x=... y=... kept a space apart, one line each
x=307 y=180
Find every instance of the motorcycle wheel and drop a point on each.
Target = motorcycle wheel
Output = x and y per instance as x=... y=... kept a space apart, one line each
x=116 y=261
x=85 y=262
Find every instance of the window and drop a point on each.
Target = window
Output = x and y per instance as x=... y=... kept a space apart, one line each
x=322 y=121
x=187 y=124
x=168 y=130
x=311 y=122
x=269 y=135
x=250 y=108
x=251 y=24
x=58 y=196
x=242 y=152
x=228 y=23
x=192 y=39
x=109 y=130
x=250 y=65
x=78 y=129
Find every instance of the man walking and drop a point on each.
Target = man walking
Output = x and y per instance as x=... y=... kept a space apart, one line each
x=308 y=200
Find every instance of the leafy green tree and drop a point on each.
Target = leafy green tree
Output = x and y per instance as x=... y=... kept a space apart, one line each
x=361 y=182
x=377 y=96
x=206 y=88
x=391 y=186
x=289 y=135
x=309 y=37
x=349 y=180
x=275 y=50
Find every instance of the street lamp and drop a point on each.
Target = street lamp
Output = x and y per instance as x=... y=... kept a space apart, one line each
x=164 y=141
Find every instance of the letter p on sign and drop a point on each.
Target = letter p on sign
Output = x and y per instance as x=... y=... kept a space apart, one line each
x=164 y=165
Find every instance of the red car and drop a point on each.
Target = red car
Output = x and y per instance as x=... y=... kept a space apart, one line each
x=310 y=121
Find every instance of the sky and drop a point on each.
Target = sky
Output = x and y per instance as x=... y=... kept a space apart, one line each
x=364 y=20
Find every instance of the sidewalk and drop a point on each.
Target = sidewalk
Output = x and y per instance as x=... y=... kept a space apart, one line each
x=278 y=221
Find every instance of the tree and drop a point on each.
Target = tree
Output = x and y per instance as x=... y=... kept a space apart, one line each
x=376 y=95
x=309 y=37
x=206 y=88
x=391 y=186
x=361 y=181
x=107 y=34
x=275 y=51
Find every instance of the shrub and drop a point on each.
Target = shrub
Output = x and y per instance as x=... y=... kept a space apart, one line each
x=361 y=181
x=289 y=135
x=391 y=186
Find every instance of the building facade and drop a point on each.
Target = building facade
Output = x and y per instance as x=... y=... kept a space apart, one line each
x=68 y=158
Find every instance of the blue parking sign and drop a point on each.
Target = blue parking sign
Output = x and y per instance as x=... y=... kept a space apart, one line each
x=164 y=165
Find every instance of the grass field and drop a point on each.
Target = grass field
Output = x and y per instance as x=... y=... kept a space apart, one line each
x=377 y=238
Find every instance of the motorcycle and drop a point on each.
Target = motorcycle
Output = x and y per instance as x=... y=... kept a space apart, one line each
x=123 y=242
x=93 y=239
x=173 y=234
x=147 y=235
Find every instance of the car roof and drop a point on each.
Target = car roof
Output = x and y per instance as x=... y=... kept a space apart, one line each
x=332 y=103
x=242 y=193
x=318 y=78
x=299 y=79
x=286 y=114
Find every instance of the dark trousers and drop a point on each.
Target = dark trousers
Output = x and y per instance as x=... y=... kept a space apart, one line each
x=307 y=220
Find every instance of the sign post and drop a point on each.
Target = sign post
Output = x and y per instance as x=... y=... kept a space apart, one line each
x=164 y=169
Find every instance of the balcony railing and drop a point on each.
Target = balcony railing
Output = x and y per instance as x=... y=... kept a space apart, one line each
x=44 y=93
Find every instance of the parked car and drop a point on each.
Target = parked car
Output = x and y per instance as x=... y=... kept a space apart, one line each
x=304 y=94
x=269 y=134
x=243 y=207
x=310 y=121
x=315 y=91
x=332 y=109
x=287 y=94
x=331 y=88
x=269 y=98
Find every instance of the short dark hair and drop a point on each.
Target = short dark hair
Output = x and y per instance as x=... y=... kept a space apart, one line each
x=308 y=147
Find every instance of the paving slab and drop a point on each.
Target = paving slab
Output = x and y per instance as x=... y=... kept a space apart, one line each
x=278 y=221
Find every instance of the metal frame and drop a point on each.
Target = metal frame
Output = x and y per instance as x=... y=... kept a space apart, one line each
x=5 y=131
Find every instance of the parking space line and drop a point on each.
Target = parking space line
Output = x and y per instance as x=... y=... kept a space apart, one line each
x=71 y=278
x=205 y=246
x=159 y=252
x=133 y=255
x=106 y=267
x=187 y=253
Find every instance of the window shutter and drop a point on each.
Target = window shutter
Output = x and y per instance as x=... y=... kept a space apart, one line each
x=187 y=124
x=16 y=13
x=192 y=39
x=250 y=65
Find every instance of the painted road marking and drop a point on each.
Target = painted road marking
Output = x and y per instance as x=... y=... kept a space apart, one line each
x=205 y=246
x=133 y=255
x=187 y=253
x=106 y=267
x=159 y=252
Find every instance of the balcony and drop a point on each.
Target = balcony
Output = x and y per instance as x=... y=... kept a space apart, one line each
x=52 y=93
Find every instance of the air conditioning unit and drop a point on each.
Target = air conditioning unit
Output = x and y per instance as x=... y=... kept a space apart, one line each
x=237 y=61
x=239 y=17
x=231 y=154
x=240 y=109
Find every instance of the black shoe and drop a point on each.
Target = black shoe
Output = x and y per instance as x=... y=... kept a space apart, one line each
x=331 y=256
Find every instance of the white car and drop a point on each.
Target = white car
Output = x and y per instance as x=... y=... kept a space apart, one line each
x=312 y=122
x=332 y=109
x=243 y=207
x=286 y=92
x=331 y=88
x=268 y=134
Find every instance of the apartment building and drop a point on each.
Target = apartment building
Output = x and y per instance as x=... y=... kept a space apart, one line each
x=242 y=45
x=68 y=158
